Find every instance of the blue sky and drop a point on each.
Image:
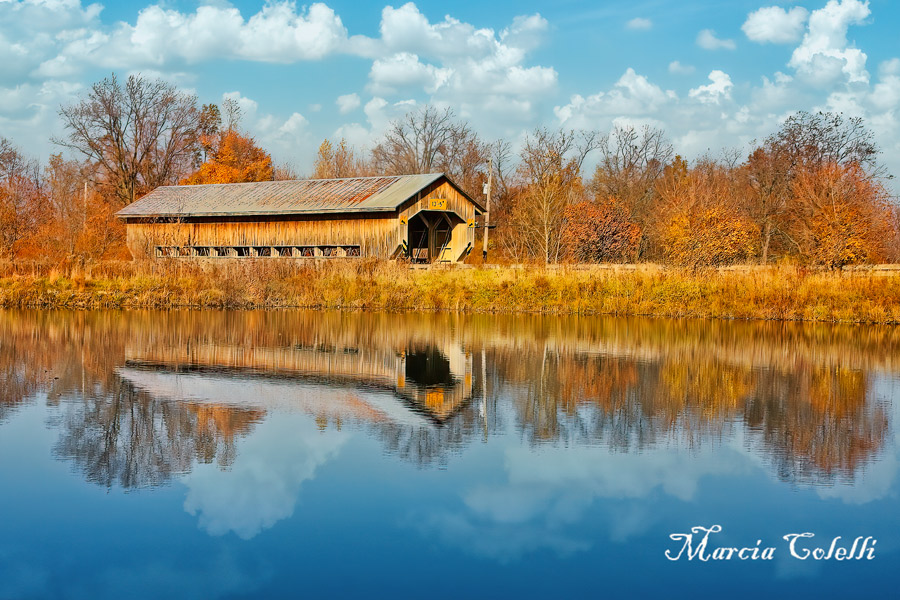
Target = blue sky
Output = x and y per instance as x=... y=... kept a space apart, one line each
x=712 y=74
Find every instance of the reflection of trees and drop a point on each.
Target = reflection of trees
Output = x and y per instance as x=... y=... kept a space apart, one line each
x=113 y=433
x=815 y=423
x=55 y=352
x=804 y=393
x=128 y=438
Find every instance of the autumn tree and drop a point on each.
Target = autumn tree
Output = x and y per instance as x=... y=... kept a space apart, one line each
x=78 y=220
x=600 y=231
x=700 y=222
x=209 y=129
x=142 y=134
x=337 y=162
x=840 y=216
x=767 y=187
x=66 y=190
x=21 y=197
x=428 y=140
x=235 y=158
x=631 y=162
x=808 y=146
x=813 y=140
x=549 y=176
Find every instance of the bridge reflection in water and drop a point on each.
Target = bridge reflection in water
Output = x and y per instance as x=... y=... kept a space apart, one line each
x=419 y=386
x=140 y=396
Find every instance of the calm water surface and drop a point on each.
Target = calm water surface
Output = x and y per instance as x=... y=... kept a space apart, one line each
x=295 y=454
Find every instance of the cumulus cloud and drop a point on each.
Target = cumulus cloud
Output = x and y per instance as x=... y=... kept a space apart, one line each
x=632 y=95
x=824 y=55
x=403 y=71
x=715 y=92
x=279 y=32
x=379 y=114
x=639 y=23
x=31 y=32
x=348 y=103
x=676 y=68
x=775 y=25
x=707 y=40
x=477 y=71
x=287 y=138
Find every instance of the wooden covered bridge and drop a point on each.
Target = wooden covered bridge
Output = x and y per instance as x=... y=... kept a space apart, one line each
x=426 y=218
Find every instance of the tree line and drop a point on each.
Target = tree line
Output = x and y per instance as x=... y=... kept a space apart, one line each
x=812 y=192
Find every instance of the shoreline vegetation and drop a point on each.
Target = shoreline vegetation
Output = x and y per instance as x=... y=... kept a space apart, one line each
x=784 y=293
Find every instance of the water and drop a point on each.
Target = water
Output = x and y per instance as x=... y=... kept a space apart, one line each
x=289 y=454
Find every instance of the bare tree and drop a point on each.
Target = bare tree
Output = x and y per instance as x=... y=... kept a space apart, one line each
x=550 y=180
x=428 y=140
x=814 y=140
x=631 y=162
x=143 y=134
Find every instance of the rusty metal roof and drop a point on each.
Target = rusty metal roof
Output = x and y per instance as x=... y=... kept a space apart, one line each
x=306 y=196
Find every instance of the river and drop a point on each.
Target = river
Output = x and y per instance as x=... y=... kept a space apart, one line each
x=251 y=454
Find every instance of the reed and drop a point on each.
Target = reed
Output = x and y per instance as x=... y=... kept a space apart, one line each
x=772 y=293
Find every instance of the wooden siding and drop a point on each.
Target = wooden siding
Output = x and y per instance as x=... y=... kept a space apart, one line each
x=375 y=235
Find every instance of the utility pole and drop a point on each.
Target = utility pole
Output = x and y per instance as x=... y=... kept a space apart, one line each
x=487 y=208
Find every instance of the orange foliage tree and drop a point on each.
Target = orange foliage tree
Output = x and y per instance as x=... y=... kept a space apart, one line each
x=336 y=162
x=701 y=223
x=840 y=215
x=600 y=231
x=22 y=199
x=235 y=158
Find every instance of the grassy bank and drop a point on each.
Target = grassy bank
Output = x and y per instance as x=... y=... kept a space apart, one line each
x=784 y=293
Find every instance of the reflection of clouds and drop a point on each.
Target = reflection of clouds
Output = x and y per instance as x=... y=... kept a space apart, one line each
x=548 y=492
x=600 y=473
x=504 y=542
x=264 y=483
x=222 y=576
x=217 y=576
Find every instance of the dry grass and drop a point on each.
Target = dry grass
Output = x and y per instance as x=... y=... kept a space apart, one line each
x=781 y=293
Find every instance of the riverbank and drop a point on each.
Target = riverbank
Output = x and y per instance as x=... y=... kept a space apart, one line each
x=779 y=293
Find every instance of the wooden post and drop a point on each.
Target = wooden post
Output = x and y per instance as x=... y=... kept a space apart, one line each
x=487 y=209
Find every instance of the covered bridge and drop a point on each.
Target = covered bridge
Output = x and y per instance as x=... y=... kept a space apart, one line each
x=427 y=218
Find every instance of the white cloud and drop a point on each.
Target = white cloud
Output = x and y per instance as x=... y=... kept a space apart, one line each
x=480 y=73
x=824 y=56
x=379 y=114
x=639 y=23
x=676 y=68
x=263 y=485
x=632 y=95
x=707 y=40
x=288 y=139
x=775 y=25
x=277 y=33
x=715 y=92
x=403 y=71
x=348 y=103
